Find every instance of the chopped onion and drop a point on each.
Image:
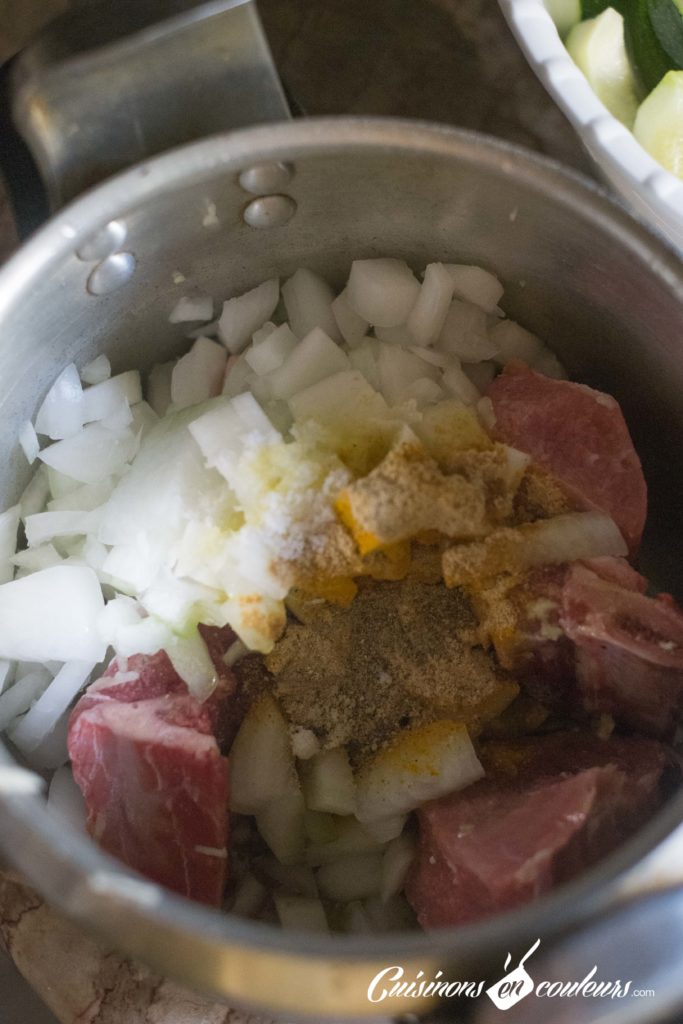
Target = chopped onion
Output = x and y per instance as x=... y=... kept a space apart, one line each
x=474 y=284
x=297 y=879
x=198 y=375
x=354 y=878
x=515 y=342
x=351 y=837
x=432 y=356
x=42 y=717
x=65 y=602
x=419 y=764
x=486 y=414
x=352 y=326
x=83 y=498
x=189 y=308
x=61 y=414
x=33 y=559
x=399 y=336
x=300 y=913
x=566 y=538
x=65 y=799
x=423 y=391
x=261 y=758
x=44 y=526
x=121 y=418
x=548 y=364
x=460 y=386
x=250 y=896
x=36 y=492
x=382 y=291
x=103 y=400
x=308 y=301
x=428 y=315
x=223 y=432
x=262 y=333
x=9 y=524
x=398 y=857
x=18 y=698
x=315 y=357
x=281 y=823
x=235 y=652
x=159 y=387
x=6 y=674
x=386 y=829
x=398 y=369
x=328 y=782
x=190 y=658
x=60 y=484
x=269 y=353
x=305 y=743
x=465 y=333
x=96 y=370
x=364 y=359
x=342 y=397
x=244 y=314
x=28 y=439
x=92 y=454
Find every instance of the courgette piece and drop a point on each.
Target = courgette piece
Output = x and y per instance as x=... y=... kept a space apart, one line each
x=659 y=123
x=597 y=48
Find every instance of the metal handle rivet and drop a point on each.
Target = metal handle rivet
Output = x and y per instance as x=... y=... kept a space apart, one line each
x=113 y=272
x=269 y=211
x=262 y=179
x=107 y=240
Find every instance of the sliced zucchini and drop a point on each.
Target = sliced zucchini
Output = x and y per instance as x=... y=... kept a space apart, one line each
x=659 y=123
x=597 y=48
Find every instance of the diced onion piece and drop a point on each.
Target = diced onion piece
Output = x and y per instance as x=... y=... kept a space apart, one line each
x=308 y=301
x=18 y=698
x=328 y=782
x=238 y=376
x=428 y=315
x=417 y=765
x=223 y=433
x=424 y=392
x=36 y=493
x=269 y=354
x=548 y=364
x=432 y=356
x=146 y=636
x=65 y=799
x=399 y=336
x=92 y=454
x=249 y=897
x=305 y=743
x=281 y=823
x=261 y=759
x=198 y=375
x=9 y=524
x=97 y=370
x=566 y=538
x=159 y=387
x=262 y=333
x=386 y=829
x=190 y=658
x=28 y=439
x=51 y=705
x=515 y=342
x=382 y=291
x=52 y=615
x=244 y=314
x=364 y=359
x=234 y=653
x=61 y=414
x=6 y=674
x=121 y=417
x=61 y=484
x=351 y=837
x=103 y=400
x=321 y=828
x=337 y=398
x=474 y=284
x=355 y=920
x=353 y=878
x=314 y=358
x=480 y=374
x=460 y=386
x=190 y=308
x=83 y=498
x=398 y=370
x=486 y=413
x=352 y=326
x=44 y=526
x=300 y=913
x=143 y=418
x=465 y=333
x=398 y=857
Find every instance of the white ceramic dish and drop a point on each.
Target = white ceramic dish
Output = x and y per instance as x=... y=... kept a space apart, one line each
x=654 y=194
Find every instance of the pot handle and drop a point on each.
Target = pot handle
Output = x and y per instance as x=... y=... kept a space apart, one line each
x=108 y=85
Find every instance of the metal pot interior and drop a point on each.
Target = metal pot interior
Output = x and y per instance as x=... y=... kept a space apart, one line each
x=606 y=296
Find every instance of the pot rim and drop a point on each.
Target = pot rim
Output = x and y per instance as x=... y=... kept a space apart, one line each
x=76 y=858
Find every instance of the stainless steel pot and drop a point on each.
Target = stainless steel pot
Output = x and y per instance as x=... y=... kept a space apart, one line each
x=225 y=213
